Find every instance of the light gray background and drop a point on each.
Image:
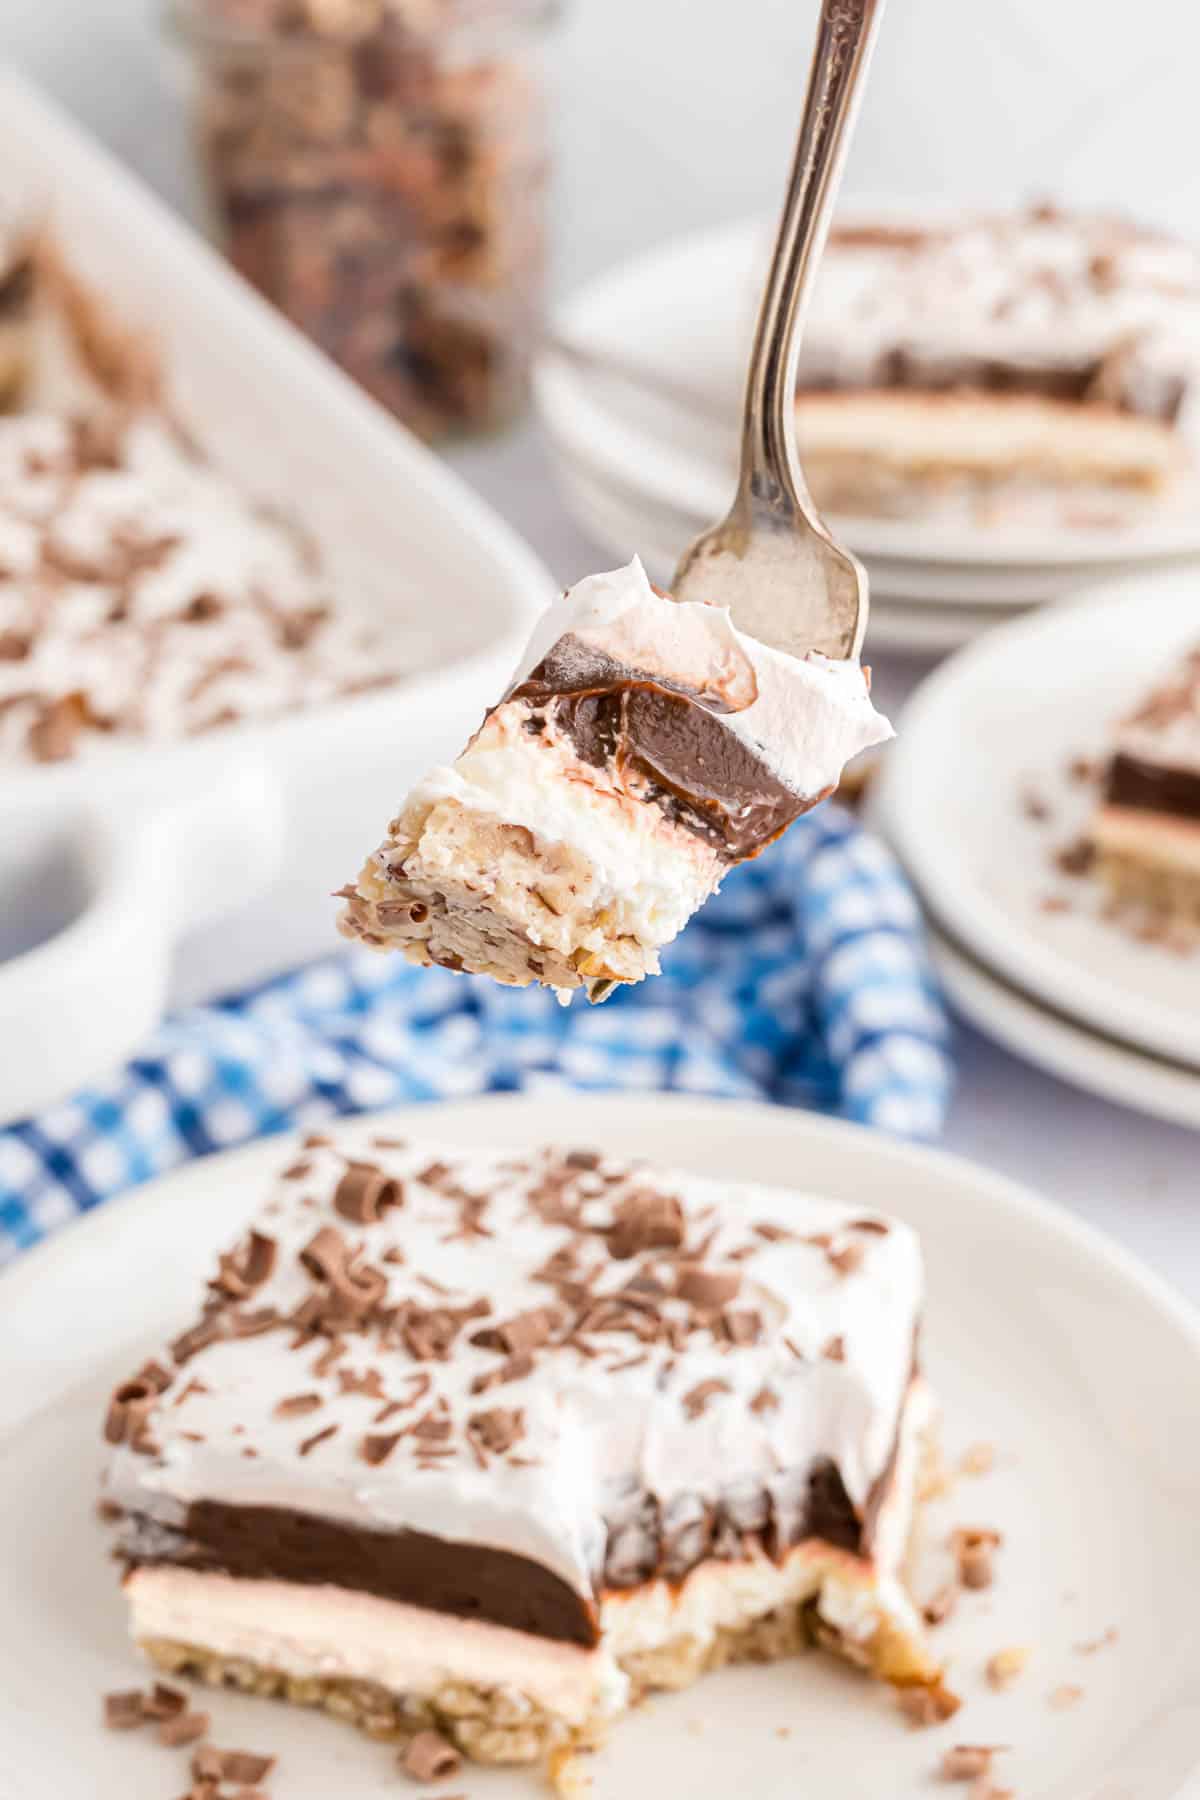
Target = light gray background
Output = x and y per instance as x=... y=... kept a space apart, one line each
x=680 y=112
x=676 y=113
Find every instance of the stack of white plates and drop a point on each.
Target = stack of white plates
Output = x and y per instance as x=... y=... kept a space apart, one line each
x=987 y=784
x=640 y=391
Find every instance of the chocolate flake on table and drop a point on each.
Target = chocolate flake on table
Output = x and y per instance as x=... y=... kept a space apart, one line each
x=1005 y=1666
x=365 y=1192
x=318 y=1437
x=974 y=1550
x=244 y=1767
x=183 y=1729
x=194 y=1386
x=164 y=1701
x=1075 y=858
x=962 y=1762
x=1068 y=1693
x=377 y=1446
x=977 y=1459
x=242 y=1270
x=294 y=1406
x=925 y=1706
x=1103 y=1642
x=124 y=1711
x=742 y=1325
x=429 y=1757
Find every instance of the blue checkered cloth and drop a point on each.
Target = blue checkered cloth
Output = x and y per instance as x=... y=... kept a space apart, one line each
x=804 y=981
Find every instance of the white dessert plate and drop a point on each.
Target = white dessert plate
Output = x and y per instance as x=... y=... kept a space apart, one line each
x=1099 y=1065
x=1043 y=1338
x=987 y=744
x=680 y=317
x=623 y=523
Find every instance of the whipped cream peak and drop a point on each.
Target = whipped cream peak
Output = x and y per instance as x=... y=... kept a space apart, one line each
x=804 y=717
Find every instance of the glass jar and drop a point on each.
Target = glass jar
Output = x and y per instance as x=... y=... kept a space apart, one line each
x=378 y=169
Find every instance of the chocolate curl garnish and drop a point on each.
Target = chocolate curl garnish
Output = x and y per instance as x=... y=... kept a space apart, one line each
x=497 y=1429
x=131 y=1405
x=247 y=1267
x=743 y=1325
x=645 y=1221
x=354 y=1290
x=429 y=1757
x=365 y=1193
x=525 y=1331
x=706 y=1287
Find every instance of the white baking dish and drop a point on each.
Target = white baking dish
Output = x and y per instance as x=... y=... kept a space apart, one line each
x=189 y=871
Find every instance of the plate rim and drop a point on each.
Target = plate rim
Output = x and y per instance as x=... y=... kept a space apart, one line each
x=969 y=914
x=1057 y=552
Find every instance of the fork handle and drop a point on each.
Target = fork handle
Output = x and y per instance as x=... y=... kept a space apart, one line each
x=845 y=39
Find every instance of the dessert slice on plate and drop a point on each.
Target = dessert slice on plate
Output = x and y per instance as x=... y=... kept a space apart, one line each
x=996 y=367
x=493 y=1444
x=1146 y=833
x=642 y=749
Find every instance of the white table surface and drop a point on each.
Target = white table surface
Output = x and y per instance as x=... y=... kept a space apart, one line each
x=1130 y=1175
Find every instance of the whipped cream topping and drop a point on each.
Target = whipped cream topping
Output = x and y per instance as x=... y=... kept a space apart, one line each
x=141 y=594
x=1043 y=290
x=806 y=1355
x=802 y=717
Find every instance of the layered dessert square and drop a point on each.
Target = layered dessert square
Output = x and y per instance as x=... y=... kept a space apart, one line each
x=142 y=595
x=1000 y=367
x=1146 y=832
x=642 y=748
x=494 y=1444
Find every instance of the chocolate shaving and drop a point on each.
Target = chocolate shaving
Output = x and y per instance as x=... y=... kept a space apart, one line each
x=879 y=1227
x=515 y=1368
x=924 y=1706
x=365 y=1192
x=429 y=1757
x=974 y=1549
x=370 y=1383
x=164 y=1701
x=525 y=1332
x=129 y=1412
x=246 y=1268
x=183 y=1728
x=124 y=1711
x=294 y=1406
x=333 y=1351
x=766 y=1400
x=432 y=1428
x=938 y=1608
x=318 y=1437
x=242 y=1766
x=706 y=1287
x=742 y=1325
x=645 y=1220
x=834 y=1348
x=846 y=1258
x=695 y=1402
x=377 y=1446
x=774 y=1234
x=498 y=1429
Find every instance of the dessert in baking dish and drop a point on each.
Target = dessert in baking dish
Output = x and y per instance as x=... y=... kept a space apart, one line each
x=16 y=307
x=143 y=596
x=1146 y=832
x=988 y=366
x=492 y=1444
x=643 y=748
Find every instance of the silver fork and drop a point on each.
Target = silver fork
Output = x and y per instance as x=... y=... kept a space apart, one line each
x=772 y=561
